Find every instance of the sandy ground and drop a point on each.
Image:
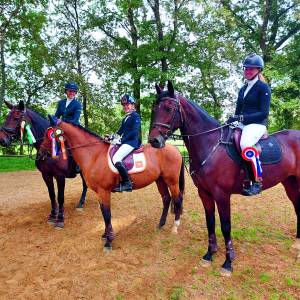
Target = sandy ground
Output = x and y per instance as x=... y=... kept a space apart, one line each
x=40 y=262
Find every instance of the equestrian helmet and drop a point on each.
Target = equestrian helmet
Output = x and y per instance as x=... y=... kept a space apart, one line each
x=127 y=99
x=253 y=61
x=71 y=86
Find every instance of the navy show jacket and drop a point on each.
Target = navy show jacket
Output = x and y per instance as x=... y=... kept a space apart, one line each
x=255 y=106
x=71 y=113
x=130 y=130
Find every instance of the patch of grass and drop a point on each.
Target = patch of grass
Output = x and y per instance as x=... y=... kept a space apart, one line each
x=247 y=271
x=191 y=251
x=10 y=164
x=177 y=293
x=281 y=295
x=119 y=297
x=286 y=295
x=264 y=277
x=293 y=282
x=245 y=234
x=236 y=217
x=195 y=215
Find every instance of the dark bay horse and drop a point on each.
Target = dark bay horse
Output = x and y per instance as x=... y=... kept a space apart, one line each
x=50 y=168
x=214 y=173
x=164 y=166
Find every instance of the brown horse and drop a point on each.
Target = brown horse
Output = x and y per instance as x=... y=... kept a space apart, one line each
x=216 y=175
x=164 y=166
x=50 y=168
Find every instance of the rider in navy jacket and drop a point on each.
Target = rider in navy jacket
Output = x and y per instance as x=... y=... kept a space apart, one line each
x=130 y=130
x=252 y=112
x=255 y=106
x=130 y=140
x=69 y=109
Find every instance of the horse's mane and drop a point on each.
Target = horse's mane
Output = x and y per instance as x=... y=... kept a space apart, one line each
x=202 y=112
x=205 y=115
x=86 y=130
x=39 y=120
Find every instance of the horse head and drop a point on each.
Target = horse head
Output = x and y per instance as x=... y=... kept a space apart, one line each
x=166 y=116
x=12 y=125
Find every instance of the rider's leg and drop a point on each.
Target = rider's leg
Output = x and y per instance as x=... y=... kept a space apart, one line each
x=125 y=184
x=250 y=136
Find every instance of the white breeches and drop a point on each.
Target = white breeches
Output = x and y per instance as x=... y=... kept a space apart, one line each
x=123 y=151
x=251 y=134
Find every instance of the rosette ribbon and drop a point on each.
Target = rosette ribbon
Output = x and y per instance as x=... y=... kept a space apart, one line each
x=51 y=137
x=30 y=135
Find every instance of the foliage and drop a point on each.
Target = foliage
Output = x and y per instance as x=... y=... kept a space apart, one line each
x=116 y=47
x=10 y=164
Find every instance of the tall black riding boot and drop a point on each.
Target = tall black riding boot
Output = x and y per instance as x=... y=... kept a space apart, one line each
x=254 y=189
x=125 y=184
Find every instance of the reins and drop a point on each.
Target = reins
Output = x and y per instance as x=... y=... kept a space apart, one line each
x=181 y=136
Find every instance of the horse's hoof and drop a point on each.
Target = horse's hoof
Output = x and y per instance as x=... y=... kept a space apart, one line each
x=296 y=245
x=225 y=272
x=80 y=209
x=160 y=227
x=107 y=249
x=59 y=225
x=51 y=222
x=205 y=263
x=174 y=230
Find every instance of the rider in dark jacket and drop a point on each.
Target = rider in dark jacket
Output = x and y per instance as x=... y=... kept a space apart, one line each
x=69 y=109
x=130 y=140
x=252 y=112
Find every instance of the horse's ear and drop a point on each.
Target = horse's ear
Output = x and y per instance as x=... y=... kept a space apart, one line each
x=9 y=105
x=158 y=89
x=21 y=105
x=170 y=88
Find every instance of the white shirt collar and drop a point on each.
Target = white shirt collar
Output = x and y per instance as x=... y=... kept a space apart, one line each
x=69 y=101
x=253 y=81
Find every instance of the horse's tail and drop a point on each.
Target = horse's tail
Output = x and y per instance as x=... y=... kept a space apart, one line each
x=181 y=178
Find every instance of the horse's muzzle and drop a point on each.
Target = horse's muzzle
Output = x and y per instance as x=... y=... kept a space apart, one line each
x=5 y=142
x=157 y=142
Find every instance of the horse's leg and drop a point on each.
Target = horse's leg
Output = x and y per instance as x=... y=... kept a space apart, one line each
x=292 y=188
x=166 y=199
x=223 y=204
x=83 y=194
x=109 y=234
x=50 y=185
x=59 y=222
x=209 y=207
x=177 y=199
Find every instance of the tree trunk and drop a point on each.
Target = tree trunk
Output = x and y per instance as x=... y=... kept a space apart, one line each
x=3 y=73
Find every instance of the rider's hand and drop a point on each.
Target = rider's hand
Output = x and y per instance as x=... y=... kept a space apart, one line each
x=233 y=119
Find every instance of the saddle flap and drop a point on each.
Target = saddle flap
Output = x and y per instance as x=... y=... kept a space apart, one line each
x=134 y=162
x=237 y=134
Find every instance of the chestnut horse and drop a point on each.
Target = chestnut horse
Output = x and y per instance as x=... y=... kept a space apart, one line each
x=164 y=166
x=50 y=168
x=214 y=173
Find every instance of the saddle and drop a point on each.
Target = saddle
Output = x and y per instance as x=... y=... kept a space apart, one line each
x=268 y=148
x=134 y=162
x=237 y=134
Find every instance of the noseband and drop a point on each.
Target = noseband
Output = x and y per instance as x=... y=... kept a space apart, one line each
x=12 y=132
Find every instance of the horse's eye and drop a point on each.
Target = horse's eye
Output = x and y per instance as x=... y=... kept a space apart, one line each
x=168 y=109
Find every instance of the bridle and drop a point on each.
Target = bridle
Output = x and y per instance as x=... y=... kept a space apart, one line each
x=172 y=122
x=11 y=133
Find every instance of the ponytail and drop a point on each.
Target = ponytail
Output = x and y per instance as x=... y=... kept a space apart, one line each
x=262 y=78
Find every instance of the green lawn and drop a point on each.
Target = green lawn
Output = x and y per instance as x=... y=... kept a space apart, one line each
x=9 y=164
